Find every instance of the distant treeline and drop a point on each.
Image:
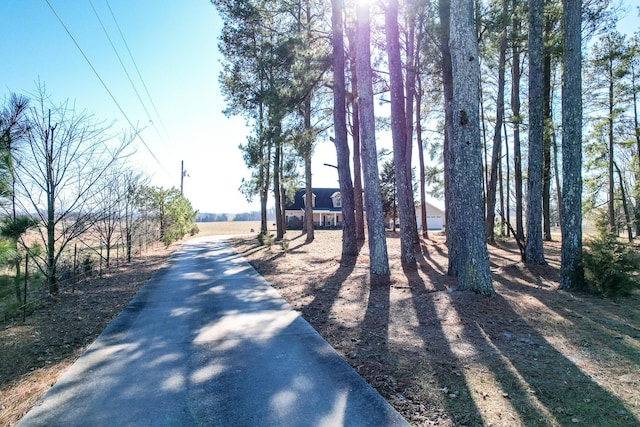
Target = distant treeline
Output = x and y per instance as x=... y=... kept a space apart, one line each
x=214 y=217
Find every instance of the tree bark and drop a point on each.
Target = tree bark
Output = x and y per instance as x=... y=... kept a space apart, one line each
x=379 y=260
x=308 y=227
x=571 y=270
x=357 y=160
x=349 y=243
x=557 y=176
x=52 y=280
x=419 y=142
x=636 y=128
x=515 y=109
x=466 y=167
x=451 y=229
x=411 y=71
x=399 y=136
x=276 y=188
x=625 y=206
x=355 y=134
x=611 y=202
x=534 y=250
x=548 y=132
x=496 y=155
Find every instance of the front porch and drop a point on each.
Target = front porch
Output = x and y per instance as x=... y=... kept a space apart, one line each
x=321 y=220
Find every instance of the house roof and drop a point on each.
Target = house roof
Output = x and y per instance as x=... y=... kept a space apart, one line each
x=323 y=199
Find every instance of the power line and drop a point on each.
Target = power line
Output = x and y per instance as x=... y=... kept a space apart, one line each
x=104 y=85
x=136 y=67
x=133 y=86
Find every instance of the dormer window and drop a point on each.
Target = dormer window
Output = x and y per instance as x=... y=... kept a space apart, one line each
x=304 y=200
x=337 y=200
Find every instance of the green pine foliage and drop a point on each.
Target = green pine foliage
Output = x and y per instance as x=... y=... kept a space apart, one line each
x=611 y=266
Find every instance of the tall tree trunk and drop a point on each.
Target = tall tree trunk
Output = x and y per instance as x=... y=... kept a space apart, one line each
x=411 y=66
x=507 y=160
x=358 y=191
x=399 y=136
x=496 y=155
x=466 y=167
x=378 y=257
x=546 y=189
x=636 y=127
x=308 y=180
x=308 y=143
x=349 y=243
x=419 y=141
x=534 y=250
x=625 y=206
x=557 y=176
x=355 y=132
x=52 y=280
x=265 y=171
x=451 y=215
x=548 y=132
x=515 y=110
x=485 y=165
x=283 y=210
x=611 y=202
x=277 y=173
x=571 y=270
x=423 y=190
x=501 y=192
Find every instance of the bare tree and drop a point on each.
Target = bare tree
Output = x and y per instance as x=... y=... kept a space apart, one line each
x=132 y=183
x=68 y=153
x=116 y=209
x=107 y=199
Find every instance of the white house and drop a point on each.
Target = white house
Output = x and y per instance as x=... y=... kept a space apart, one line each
x=435 y=217
x=327 y=211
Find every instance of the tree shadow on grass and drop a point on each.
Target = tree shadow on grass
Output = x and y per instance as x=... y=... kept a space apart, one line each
x=318 y=311
x=471 y=342
x=439 y=365
x=543 y=385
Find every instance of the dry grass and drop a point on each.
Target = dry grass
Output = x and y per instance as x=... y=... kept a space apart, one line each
x=228 y=228
x=34 y=353
x=531 y=356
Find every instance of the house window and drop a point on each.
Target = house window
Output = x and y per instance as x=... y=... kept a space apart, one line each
x=304 y=200
x=337 y=200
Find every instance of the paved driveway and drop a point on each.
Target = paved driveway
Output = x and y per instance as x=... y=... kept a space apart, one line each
x=208 y=342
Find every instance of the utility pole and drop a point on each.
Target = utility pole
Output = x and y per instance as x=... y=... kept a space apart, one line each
x=183 y=173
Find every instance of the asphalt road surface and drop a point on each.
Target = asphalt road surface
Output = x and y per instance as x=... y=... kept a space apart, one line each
x=207 y=342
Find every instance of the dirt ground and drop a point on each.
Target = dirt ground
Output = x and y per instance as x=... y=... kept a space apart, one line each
x=532 y=355
x=33 y=354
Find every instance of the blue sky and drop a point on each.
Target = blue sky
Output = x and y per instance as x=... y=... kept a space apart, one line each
x=174 y=44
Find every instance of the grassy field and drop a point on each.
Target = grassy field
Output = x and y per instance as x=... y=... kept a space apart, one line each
x=228 y=227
